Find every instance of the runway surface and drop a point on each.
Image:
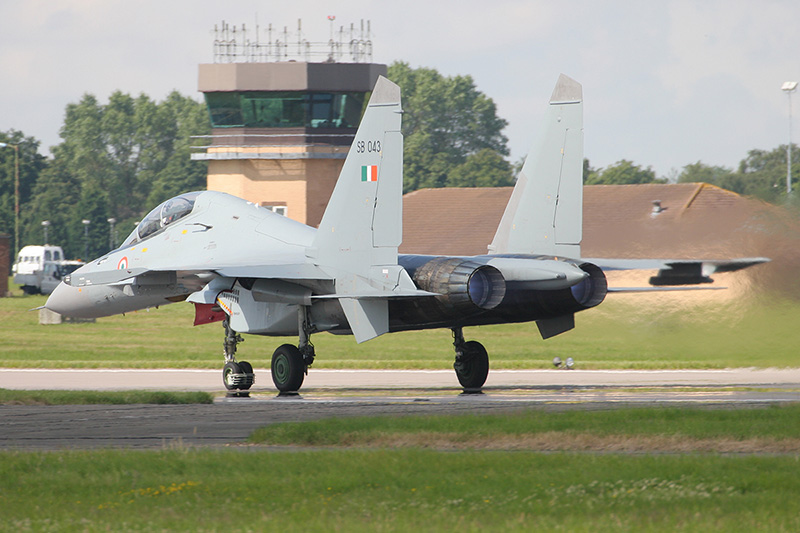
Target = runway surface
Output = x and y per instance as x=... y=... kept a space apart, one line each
x=332 y=393
x=211 y=380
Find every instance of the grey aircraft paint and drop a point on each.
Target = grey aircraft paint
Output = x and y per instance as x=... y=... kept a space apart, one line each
x=264 y=274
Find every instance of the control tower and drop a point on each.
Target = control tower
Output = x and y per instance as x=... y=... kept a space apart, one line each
x=282 y=127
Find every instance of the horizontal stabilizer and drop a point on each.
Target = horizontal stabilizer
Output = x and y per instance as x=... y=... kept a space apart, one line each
x=664 y=289
x=367 y=318
x=680 y=271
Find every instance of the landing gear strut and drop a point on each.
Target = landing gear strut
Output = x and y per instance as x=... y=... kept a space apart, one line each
x=472 y=362
x=290 y=363
x=235 y=375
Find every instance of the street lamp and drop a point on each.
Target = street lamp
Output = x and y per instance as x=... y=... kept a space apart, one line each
x=86 y=238
x=16 y=194
x=111 y=236
x=789 y=87
x=45 y=225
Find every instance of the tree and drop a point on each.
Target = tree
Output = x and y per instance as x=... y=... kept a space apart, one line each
x=701 y=173
x=446 y=120
x=589 y=172
x=485 y=168
x=116 y=160
x=763 y=174
x=31 y=165
x=623 y=172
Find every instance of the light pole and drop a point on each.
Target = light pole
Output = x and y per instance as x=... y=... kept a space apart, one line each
x=789 y=87
x=86 y=238
x=16 y=195
x=111 y=239
x=45 y=225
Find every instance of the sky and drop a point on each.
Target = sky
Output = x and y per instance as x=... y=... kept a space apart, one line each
x=665 y=83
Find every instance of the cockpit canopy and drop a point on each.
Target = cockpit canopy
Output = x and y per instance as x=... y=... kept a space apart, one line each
x=162 y=216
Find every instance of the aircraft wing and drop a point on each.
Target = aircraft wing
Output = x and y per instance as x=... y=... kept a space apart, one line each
x=107 y=277
x=679 y=271
x=297 y=271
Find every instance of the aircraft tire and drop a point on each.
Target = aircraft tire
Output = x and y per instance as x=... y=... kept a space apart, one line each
x=229 y=371
x=247 y=369
x=473 y=368
x=288 y=368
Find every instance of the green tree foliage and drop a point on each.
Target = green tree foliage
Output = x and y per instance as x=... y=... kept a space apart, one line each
x=31 y=164
x=699 y=172
x=589 y=172
x=452 y=131
x=623 y=172
x=761 y=174
x=485 y=168
x=115 y=160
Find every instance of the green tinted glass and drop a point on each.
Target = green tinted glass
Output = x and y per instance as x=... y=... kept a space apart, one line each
x=285 y=109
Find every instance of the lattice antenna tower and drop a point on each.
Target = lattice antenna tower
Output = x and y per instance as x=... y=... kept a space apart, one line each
x=237 y=44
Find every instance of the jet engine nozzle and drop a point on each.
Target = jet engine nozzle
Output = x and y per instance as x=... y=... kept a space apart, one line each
x=462 y=283
x=593 y=289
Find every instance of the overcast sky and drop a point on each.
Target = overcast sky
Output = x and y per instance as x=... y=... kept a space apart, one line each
x=665 y=83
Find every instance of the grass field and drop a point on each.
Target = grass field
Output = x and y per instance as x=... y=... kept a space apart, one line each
x=415 y=489
x=773 y=429
x=76 y=397
x=624 y=332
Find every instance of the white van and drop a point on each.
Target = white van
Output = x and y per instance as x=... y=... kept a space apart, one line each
x=39 y=269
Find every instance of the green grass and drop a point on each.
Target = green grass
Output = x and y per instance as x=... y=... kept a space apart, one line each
x=636 y=331
x=778 y=422
x=387 y=490
x=413 y=489
x=57 y=397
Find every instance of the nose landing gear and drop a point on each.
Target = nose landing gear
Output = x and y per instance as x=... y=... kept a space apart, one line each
x=236 y=376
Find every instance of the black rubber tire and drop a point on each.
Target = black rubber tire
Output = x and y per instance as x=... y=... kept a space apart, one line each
x=247 y=368
x=473 y=368
x=288 y=368
x=227 y=370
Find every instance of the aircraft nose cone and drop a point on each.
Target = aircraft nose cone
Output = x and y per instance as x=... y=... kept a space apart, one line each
x=66 y=300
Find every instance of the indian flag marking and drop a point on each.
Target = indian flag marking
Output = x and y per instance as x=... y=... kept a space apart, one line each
x=369 y=173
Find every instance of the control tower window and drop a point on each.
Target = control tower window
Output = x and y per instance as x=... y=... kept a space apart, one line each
x=285 y=109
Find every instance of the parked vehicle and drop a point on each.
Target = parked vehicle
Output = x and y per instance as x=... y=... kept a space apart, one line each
x=39 y=269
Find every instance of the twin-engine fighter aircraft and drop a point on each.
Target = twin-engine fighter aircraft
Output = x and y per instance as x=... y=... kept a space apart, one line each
x=262 y=273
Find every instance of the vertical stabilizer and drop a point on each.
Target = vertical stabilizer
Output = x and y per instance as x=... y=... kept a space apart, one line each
x=361 y=229
x=362 y=225
x=545 y=212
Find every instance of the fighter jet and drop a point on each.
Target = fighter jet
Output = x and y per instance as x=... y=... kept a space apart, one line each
x=261 y=273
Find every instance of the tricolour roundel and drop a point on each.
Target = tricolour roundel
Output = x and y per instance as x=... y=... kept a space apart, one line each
x=123 y=263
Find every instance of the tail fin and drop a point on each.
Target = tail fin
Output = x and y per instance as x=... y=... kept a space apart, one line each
x=545 y=212
x=362 y=224
x=361 y=229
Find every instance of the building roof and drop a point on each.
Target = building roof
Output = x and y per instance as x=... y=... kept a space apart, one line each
x=695 y=219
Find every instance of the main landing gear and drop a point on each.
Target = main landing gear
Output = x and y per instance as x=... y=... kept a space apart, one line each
x=237 y=376
x=472 y=362
x=290 y=363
